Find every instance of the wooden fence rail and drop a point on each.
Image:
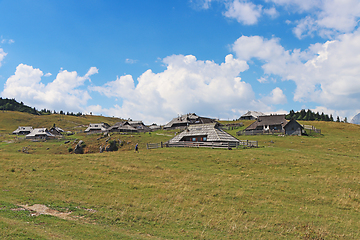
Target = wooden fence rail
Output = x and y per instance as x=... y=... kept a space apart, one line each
x=311 y=128
x=154 y=145
x=229 y=145
x=260 y=132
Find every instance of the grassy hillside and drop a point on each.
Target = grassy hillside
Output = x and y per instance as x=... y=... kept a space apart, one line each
x=290 y=188
x=10 y=121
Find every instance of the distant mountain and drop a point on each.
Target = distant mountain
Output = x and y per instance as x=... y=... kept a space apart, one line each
x=356 y=119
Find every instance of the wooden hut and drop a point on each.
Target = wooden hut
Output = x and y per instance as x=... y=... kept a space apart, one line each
x=204 y=135
x=40 y=133
x=23 y=130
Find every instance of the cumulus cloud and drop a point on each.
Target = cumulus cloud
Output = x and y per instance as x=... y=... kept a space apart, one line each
x=2 y=55
x=327 y=18
x=276 y=96
x=272 y=12
x=62 y=93
x=326 y=73
x=244 y=12
x=187 y=85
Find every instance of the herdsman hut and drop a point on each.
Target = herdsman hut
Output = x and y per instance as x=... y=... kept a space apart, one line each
x=181 y=122
x=122 y=127
x=293 y=128
x=40 y=133
x=97 y=128
x=204 y=135
x=23 y=130
x=270 y=124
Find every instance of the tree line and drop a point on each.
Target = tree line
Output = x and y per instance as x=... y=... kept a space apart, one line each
x=311 y=116
x=13 y=105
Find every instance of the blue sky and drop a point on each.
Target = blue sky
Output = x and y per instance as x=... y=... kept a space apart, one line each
x=152 y=60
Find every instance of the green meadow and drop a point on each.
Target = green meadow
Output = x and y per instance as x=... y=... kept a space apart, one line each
x=290 y=187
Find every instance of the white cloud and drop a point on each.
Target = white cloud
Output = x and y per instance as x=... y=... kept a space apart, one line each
x=243 y=11
x=201 y=4
x=263 y=79
x=272 y=12
x=327 y=18
x=130 y=61
x=187 y=85
x=305 y=27
x=2 y=55
x=327 y=74
x=276 y=96
x=62 y=93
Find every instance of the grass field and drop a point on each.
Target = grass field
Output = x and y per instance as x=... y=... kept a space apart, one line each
x=289 y=188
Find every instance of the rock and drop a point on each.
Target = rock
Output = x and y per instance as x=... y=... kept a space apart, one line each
x=79 y=147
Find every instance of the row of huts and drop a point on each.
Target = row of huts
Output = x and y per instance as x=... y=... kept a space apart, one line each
x=39 y=133
x=193 y=128
x=126 y=127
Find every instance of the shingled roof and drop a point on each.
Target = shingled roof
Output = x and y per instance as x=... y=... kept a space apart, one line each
x=250 y=115
x=40 y=133
x=211 y=130
x=187 y=119
x=122 y=127
x=268 y=120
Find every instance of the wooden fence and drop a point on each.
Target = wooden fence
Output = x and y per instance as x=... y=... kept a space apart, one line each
x=311 y=128
x=229 y=145
x=260 y=132
x=154 y=145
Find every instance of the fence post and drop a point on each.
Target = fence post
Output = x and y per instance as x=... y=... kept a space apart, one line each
x=147 y=146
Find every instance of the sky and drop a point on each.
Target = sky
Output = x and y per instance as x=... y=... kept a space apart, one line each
x=154 y=60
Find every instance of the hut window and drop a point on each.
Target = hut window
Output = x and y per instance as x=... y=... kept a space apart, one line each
x=204 y=139
x=193 y=139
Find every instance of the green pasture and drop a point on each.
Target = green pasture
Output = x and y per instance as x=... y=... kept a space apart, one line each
x=304 y=187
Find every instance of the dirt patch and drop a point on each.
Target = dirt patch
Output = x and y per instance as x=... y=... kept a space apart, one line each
x=42 y=209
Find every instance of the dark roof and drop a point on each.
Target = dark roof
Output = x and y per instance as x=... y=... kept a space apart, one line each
x=293 y=120
x=122 y=126
x=268 y=120
x=187 y=119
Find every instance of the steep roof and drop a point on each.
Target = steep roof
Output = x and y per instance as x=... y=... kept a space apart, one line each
x=122 y=126
x=253 y=114
x=190 y=118
x=136 y=123
x=293 y=121
x=268 y=120
x=40 y=132
x=97 y=127
x=211 y=130
x=23 y=129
